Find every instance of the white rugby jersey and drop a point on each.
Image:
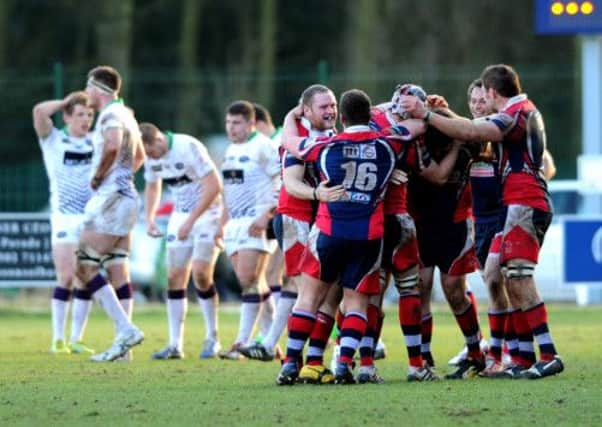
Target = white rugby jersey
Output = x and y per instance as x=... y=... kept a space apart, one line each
x=120 y=175
x=250 y=173
x=68 y=162
x=181 y=169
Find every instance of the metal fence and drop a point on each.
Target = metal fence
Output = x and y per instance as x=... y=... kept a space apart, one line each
x=194 y=102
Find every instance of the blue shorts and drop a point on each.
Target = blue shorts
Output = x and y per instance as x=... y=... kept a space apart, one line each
x=354 y=264
x=485 y=229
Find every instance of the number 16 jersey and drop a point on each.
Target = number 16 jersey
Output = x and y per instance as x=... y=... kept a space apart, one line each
x=362 y=161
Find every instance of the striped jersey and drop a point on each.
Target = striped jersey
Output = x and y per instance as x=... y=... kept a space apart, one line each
x=68 y=162
x=250 y=174
x=119 y=177
x=181 y=169
x=362 y=161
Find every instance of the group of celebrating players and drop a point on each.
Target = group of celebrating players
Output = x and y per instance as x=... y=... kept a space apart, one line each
x=407 y=186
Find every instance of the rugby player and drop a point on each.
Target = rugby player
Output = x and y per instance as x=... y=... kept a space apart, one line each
x=183 y=164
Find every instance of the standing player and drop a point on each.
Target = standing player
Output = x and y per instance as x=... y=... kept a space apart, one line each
x=518 y=126
x=183 y=164
x=316 y=117
x=250 y=174
x=275 y=267
x=111 y=212
x=345 y=243
x=68 y=160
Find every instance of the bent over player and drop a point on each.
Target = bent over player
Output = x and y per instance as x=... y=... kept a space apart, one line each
x=183 y=164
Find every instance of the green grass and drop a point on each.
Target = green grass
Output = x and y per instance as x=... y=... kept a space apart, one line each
x=40 y=389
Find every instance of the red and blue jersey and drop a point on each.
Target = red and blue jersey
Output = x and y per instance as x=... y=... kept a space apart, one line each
x=301 y=209
x=396 y=196
x=362 y=160
x=523 y=145
x=486 y=184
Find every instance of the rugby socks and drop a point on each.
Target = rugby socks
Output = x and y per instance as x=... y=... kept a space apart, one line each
x=59 y=306
x=497 y=325
x=318 y=339
x=410 y=322
x=469 y=324
x=352 y=330
x=526 y=351
x=209 y=302
x=510 y=337
x=426 y=334
x=276 y=291
x=368 y=340
x=124 y=294
x=300 y=325
x=177 y=306
x=105 y=294
x=249 y=309
x=284 y=306
x=82 y=303
x=537 y=317
x=266 y=314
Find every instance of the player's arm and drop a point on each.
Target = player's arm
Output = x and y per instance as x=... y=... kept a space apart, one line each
x=437 y=173
x=549 y=168
x=42 y=116
x=212 y=187
x=456 y=127
x=297 y=187
x=139 y=155
x=290 y=134
x=152 y=193
x=113 y=137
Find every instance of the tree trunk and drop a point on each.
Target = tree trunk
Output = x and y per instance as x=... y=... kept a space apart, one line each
x=189 y=108
x=267 y=52
x=114 y=35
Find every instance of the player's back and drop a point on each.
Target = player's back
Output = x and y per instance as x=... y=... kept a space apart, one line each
x=362 y=161
x=119 y=177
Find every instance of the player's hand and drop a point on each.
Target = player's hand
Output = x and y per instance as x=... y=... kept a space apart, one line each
x=184 y=230
x=153 y=231
x=219 y=238
x=413 y=105
x=259 y=226
x=325 y=193
x=437 y=101
x=399 y=177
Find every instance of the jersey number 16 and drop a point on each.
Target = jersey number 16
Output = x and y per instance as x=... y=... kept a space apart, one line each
x=362 y=177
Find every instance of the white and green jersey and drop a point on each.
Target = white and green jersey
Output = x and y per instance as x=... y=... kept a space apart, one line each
x=181 y=169
x=68 y=162
x=250 y=172
x=120 y=176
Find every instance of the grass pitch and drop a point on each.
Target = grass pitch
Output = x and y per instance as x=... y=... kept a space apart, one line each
x=37 y=388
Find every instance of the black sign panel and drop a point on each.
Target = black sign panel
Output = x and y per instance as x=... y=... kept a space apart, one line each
x=25 y=250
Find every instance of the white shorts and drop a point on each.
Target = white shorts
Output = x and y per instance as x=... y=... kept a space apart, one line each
x=200 y=244
x=66 y=228
x=113 y=214
x=236 y=237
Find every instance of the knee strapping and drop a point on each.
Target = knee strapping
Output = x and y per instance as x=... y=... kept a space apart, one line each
x=406 y=283
x=88 y=256
x=115 y=257
x=518 y=269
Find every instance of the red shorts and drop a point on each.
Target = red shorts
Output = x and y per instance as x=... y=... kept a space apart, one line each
x=292 y=235
x=523 y=233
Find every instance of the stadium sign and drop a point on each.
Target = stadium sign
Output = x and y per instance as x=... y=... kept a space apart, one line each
x=568 y=17
x=25 y=250
x=582 y=250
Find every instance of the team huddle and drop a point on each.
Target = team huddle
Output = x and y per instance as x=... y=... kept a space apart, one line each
x=406 y=186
